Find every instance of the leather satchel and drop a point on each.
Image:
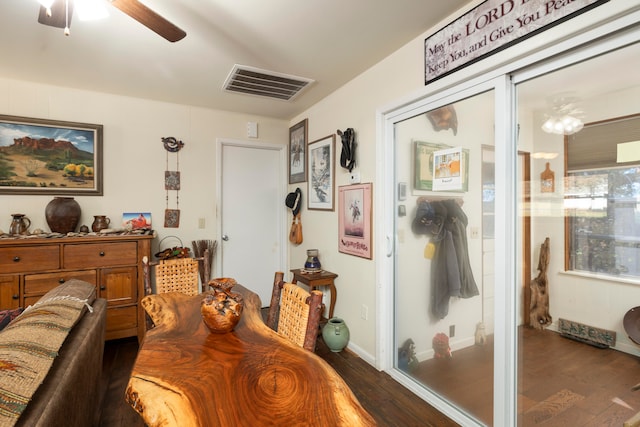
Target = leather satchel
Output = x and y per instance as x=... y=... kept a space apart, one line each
x=295 y=235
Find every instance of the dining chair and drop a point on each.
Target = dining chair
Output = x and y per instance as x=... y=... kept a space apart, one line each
x=295 y=313
x=173 y=275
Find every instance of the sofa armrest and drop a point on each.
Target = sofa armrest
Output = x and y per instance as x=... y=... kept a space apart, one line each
x=69 y=394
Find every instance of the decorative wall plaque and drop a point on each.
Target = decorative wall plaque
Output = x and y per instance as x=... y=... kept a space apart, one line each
x=172 y=182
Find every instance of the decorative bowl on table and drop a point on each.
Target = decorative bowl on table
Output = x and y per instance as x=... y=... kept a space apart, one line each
x=221 y=309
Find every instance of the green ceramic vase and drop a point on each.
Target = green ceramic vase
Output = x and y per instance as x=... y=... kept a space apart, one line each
x=335 y=334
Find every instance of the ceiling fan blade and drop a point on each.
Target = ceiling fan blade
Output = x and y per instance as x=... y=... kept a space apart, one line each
x=150 y=19
x=58 y=14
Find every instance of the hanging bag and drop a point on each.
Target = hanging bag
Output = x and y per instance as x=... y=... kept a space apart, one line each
x=295 y=235
x=294 y=201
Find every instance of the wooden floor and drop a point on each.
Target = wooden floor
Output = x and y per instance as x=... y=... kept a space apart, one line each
x=564 y=383
x=387 y=401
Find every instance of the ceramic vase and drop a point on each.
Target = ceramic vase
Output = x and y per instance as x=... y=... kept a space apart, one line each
x=63 y=214
x=100 y=222
x=335 y=334
x=20 y=224
x=312 y=263
x=221 y=309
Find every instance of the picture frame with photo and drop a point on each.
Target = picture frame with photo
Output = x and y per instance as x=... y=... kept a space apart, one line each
x=298 y=141
x=136 y=220
x=321 y=168
x=354 y=220
x=424 y=172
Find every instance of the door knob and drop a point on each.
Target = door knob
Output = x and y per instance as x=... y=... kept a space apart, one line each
x=225 y=237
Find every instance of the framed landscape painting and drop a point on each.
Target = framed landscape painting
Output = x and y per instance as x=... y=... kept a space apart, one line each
x=40 y=156
x=321 y=174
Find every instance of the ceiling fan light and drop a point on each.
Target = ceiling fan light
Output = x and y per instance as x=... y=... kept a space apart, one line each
x=90 y=10
x=566 y=125
x=548 y=125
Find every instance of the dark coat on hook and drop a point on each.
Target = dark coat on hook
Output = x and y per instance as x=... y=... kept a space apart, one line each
x=451 y=275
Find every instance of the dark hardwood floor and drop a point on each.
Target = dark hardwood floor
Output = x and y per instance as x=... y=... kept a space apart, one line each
x=387 y=401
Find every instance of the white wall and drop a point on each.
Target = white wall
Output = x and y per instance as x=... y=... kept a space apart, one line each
x=134 y=157
x=395 y=81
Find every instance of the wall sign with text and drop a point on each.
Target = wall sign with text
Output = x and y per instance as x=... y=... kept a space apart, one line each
x=491 y=26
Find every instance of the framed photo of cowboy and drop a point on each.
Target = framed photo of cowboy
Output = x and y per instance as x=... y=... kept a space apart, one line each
x=321 y=165
x=354 y=220
x=298 y=139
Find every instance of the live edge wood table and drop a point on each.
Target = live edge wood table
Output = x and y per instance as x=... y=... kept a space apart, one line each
x=186 y=376
x=314 y=280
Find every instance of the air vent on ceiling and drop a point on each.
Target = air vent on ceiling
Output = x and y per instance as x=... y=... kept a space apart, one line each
x=254 y=81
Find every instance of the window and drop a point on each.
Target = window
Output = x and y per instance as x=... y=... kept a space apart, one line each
x=602 y=200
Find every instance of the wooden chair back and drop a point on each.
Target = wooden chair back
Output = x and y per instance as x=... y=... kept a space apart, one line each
x=295 y=313
x=172 y=275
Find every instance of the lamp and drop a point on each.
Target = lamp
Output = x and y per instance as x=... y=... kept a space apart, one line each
x=564 y=125
x=563 y=120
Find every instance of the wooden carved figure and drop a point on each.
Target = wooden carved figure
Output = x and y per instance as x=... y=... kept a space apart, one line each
x=539 y=316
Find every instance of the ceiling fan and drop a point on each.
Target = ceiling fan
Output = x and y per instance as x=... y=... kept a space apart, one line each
x=58 y=14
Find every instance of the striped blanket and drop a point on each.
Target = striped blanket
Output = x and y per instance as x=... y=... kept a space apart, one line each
x=28 y=347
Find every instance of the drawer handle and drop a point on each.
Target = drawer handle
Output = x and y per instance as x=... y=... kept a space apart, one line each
x=103 y=287
x=16 y=259
x=61 y=281
x=101 y=253
x=16 y=296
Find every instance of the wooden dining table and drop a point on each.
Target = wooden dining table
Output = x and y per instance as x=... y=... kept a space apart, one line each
x=185 y=375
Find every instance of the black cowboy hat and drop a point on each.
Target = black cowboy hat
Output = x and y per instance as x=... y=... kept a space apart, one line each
x=294 y=201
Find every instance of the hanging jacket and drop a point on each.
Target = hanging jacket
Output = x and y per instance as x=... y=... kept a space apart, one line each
x=457 y=224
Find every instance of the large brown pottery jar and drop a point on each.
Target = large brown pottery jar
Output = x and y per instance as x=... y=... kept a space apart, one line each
x=62 y=214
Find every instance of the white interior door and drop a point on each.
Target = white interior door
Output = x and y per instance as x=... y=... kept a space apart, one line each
x=252 y=213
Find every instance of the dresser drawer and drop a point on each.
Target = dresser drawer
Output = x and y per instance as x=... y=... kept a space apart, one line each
x=29 y=258
x=40 y=284
x=100 y=255
x=119 y=318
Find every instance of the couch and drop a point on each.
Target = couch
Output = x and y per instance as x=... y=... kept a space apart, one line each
x=70 y=391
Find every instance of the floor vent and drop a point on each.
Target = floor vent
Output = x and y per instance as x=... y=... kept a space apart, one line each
x=588 y=334
x=269 y=84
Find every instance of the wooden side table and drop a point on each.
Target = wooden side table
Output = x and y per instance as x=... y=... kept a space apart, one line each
x=314 y=280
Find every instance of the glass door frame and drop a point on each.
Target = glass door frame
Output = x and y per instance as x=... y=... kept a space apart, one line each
x=503 y=80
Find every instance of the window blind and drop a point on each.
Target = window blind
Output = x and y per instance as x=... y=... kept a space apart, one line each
x=595 y=146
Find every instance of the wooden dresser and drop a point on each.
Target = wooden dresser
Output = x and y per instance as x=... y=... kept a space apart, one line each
x=30 y=267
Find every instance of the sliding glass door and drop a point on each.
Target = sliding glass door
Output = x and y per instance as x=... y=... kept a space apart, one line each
x=444 y=285
x=514 y=211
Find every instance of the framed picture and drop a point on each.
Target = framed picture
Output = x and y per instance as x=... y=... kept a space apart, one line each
x=354 y=220
x=424 y=170
x=321 y=165
x=137 y=220
x=448 y=165
x=297 y=152
x=39 y=156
